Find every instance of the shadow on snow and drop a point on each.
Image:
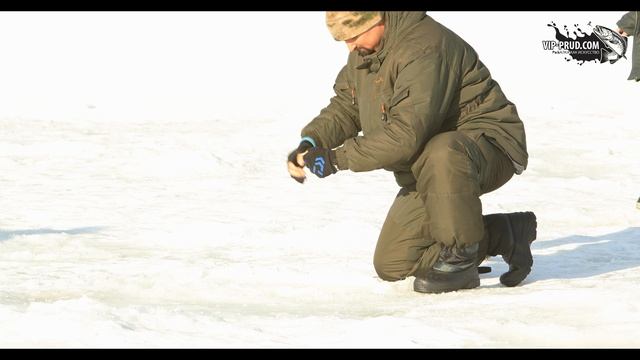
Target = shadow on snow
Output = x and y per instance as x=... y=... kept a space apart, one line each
x=6 y=235
x=586 y=256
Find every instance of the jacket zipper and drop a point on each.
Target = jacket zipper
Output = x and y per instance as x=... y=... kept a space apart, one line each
x=384 y=113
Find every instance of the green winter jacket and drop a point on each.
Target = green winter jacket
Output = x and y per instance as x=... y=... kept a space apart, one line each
x=630 y=23
x=423 y=81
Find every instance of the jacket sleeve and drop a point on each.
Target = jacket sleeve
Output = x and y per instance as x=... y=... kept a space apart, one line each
x=630 y=23
x=339 y=120
x=421 y=96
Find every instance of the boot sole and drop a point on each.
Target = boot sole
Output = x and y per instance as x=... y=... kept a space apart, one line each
x=423 y=285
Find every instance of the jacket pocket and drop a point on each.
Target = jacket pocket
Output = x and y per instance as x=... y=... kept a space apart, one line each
x=346 y=88
x=396 y=98
x=399 y=96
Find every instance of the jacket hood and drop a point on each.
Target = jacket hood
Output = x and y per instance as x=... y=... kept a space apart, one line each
x=396 y=26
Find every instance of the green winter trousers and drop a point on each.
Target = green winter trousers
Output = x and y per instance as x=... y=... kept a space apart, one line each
x=443 y=207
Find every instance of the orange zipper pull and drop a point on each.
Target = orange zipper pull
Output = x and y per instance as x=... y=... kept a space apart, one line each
x=384 y=113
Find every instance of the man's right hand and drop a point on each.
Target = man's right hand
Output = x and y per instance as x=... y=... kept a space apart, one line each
x=295 y=162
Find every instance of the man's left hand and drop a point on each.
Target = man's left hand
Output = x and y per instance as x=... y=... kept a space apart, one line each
x=321 y=161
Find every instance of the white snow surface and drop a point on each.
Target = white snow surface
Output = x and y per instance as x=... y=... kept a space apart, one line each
x=146 y=202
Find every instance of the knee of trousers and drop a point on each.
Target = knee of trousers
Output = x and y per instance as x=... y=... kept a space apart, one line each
x=389 y=269
x=448 y=156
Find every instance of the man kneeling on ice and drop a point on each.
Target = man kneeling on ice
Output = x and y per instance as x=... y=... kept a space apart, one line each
x=430 y=112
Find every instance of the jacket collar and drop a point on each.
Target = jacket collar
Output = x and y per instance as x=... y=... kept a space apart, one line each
x=396 y=26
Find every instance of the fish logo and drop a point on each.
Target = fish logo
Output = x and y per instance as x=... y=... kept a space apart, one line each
x=591 y=43
x=615 y=45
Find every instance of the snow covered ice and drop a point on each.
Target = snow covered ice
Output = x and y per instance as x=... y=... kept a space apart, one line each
x=146 y=202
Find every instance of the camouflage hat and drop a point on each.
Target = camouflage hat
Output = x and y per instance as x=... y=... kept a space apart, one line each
x=345 y=25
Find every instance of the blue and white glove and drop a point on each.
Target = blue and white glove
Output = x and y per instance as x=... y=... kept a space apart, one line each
x=321 y=161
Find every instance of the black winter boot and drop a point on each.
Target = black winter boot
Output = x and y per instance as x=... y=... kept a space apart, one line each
x=511 y=235
x=454 y=270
